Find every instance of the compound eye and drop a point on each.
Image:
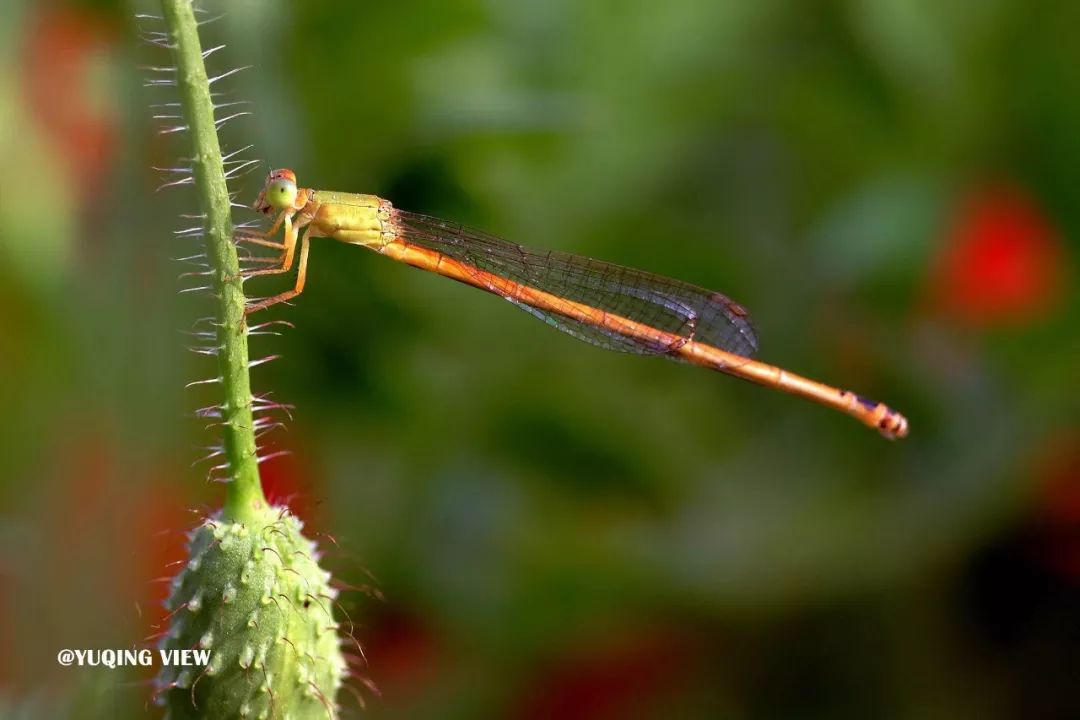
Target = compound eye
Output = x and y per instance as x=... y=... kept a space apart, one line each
x=281 y=193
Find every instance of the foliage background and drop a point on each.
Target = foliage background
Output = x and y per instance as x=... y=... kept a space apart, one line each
x=889 y=186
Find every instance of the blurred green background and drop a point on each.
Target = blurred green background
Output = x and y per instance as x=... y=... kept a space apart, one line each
x=890 y=186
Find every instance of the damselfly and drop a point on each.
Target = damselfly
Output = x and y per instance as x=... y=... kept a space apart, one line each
x=601 y=303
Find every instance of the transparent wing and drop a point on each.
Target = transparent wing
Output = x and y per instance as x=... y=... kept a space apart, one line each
x=675 y=308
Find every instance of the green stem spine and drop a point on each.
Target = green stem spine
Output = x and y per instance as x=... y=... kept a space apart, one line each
x=244 y=497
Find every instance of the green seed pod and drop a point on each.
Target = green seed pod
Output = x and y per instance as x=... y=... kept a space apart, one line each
x=254 y=598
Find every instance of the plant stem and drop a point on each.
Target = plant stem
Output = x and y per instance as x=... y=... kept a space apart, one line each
x=244 y=493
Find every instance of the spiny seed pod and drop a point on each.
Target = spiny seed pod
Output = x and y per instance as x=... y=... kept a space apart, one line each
x=255 y=599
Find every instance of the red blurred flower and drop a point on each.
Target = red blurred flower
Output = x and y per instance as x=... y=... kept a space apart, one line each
x=161 y=521
x=148 y=518
x=1058 y=505
x=402 y=651
x=287 y=480
x=61 y=48
x=617 y=677
x=1002 y=261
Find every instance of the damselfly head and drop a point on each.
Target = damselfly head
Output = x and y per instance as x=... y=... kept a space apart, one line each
x=278 y=193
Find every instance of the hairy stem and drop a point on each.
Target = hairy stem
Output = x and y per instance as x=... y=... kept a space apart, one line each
x=244 y=494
